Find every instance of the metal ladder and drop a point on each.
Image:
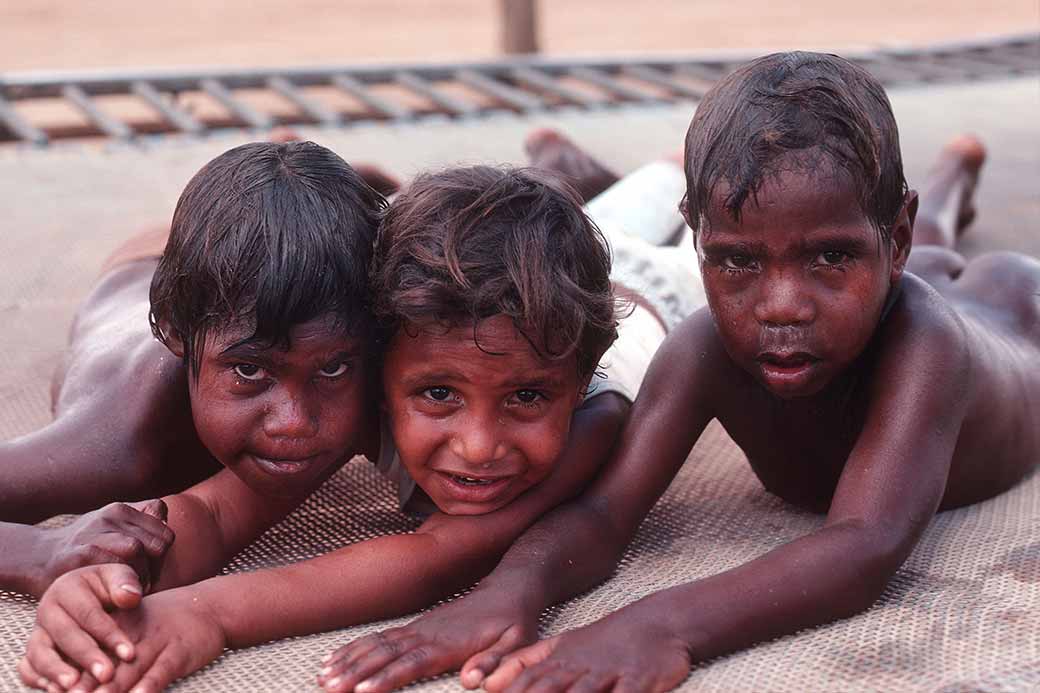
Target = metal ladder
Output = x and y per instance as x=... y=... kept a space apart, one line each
x=403 y=92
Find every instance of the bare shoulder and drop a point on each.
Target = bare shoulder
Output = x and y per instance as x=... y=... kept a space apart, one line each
x=690 y=368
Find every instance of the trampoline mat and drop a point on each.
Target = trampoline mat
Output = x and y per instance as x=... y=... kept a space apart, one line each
x=963 y=614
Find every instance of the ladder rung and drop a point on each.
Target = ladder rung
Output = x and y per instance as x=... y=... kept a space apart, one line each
x=368 y=97
x=654 y=76
x=104 y=122
x=511 y=96
x=543 y=82
x=252 y=117
x=311 y=107
x=605 y=81
x=154 y=98
x=18 y=125
x=426 y=88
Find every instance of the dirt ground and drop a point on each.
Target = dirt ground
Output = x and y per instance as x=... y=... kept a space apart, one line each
x=59 y=34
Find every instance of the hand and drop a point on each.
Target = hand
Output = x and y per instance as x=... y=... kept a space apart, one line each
x=134 y=534
x=626 y=651
x=155 y=641
x=482 y=627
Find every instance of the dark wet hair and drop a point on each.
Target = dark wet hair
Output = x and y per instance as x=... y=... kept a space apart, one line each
x=466 y=244
x=270 y=236
x=827 y=112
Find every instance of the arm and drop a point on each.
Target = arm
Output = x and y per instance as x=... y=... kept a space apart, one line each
x=564 y=553
x=31 y=557
x=182 y=629
x=890 y=488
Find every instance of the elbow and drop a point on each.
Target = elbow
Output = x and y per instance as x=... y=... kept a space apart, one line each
x=874 y=557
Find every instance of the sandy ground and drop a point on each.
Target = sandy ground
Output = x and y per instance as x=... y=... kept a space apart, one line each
x=65 y=34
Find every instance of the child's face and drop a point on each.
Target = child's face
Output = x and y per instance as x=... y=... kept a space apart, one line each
x=280 y=419
x=476 y=426
x=796 y=287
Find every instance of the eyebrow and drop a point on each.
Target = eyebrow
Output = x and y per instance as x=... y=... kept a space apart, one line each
x=536 y=380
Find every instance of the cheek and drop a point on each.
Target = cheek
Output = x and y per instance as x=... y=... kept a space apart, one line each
x=416 y=437
x=222 y=428
x=543 y=447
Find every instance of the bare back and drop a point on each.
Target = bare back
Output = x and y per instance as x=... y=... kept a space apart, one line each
x=122 y=427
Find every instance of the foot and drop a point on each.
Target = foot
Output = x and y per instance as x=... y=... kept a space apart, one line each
x=966 y=153
x=551 y=150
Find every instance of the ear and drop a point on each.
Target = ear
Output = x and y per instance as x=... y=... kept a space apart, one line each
x=171 y=338
x=684 y=209
x=902 y=236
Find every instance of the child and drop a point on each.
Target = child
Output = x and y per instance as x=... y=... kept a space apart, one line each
x=877 y=395
x=493 y=295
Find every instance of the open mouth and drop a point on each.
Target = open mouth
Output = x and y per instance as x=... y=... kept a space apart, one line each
x=472 y=489
x=785 y=370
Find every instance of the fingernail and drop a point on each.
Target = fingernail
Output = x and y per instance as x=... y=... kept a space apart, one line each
x=42 y=683
x=326 y=671
x=67 y=680
x=97 y=669
x=473 y=677
x=364 y=686
x=332 y=683
x=139 y=689
x=133 y=589
x=124 y=651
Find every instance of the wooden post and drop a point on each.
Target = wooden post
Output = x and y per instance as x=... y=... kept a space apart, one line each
x=519 y=26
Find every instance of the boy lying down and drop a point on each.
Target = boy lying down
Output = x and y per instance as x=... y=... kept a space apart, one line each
x=492 y=296
x=861 y=379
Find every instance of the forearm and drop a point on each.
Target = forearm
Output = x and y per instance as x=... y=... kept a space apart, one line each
x=831 y=574
x=570 y=550
x=376 y=579
x=21 y=565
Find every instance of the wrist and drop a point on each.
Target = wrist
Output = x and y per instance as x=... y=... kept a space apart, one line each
x=24 y=550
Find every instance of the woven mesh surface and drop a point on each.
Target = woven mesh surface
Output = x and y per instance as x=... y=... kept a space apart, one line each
x=962 y=615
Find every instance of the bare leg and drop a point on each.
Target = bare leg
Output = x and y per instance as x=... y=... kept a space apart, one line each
x=553 y=151
x=948 y=196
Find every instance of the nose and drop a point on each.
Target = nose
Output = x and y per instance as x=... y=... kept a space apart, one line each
x=784 y=300
x=478 y=440
x=291 y=415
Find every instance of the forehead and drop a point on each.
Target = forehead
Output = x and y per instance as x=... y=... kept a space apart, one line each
x=322 y=333
x=492 y=350
x=794 y=200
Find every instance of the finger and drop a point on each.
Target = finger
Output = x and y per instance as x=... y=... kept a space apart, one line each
x=45 y=662
x=594 y=683
x=72 y=639
x=74 y=615
x=546 y=678
x=477 y=667
x=147 y=521
x=140 y=677
x=30 y=677
x=414 y=664
x=514 y=665
x=118 y=585
x=86 y=683
x=345 y=673
x=124 y=547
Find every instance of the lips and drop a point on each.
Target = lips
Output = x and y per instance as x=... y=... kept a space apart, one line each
x=786 y=370
x=285 y=467
x=470 y=488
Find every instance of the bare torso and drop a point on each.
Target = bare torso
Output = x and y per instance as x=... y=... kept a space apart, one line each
x=798 y=449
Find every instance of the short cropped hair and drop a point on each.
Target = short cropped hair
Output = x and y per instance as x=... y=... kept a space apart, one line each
x=825 y=110
x=270 y=236
x=466 y=244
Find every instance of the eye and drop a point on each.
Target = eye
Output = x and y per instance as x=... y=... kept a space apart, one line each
x=737 y=263
x=438 y=393
x=335 y=369
x=249 y=371
x=528 y=397
x=831 y=258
